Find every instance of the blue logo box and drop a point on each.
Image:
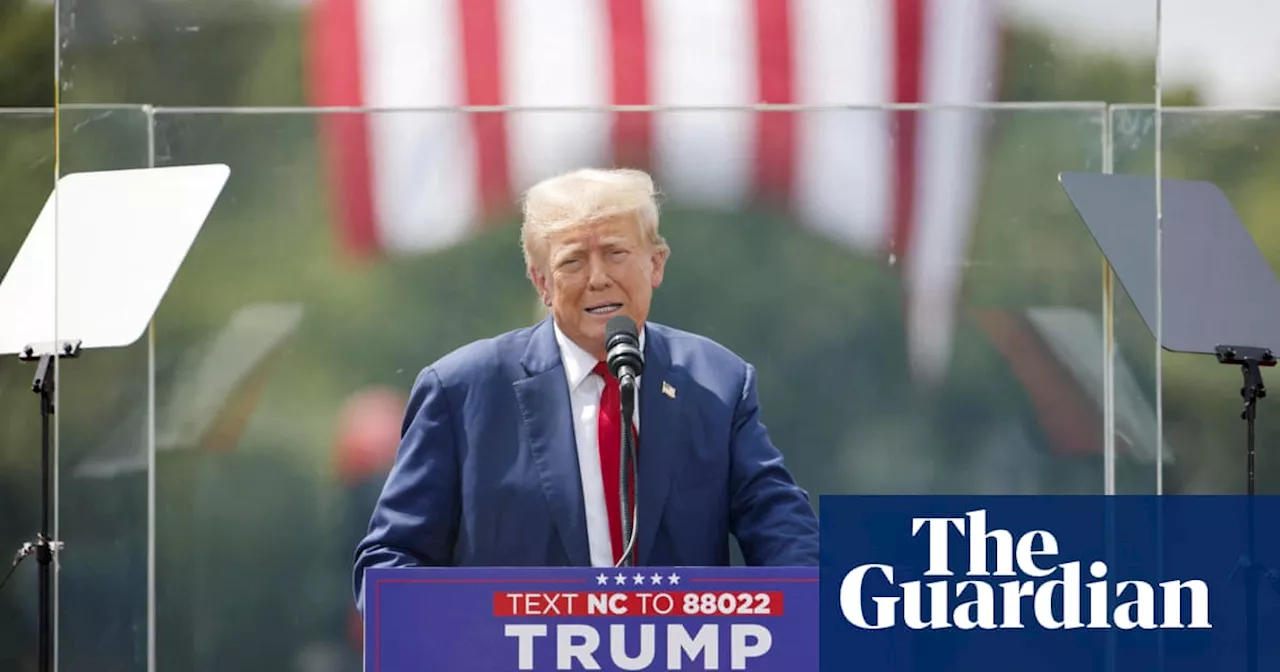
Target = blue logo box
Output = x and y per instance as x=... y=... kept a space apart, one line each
x=1049 y=583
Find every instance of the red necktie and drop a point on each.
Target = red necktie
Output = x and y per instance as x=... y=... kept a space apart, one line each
x=610 y=440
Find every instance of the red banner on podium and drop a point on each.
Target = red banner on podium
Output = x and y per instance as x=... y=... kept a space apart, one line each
x=644 y=618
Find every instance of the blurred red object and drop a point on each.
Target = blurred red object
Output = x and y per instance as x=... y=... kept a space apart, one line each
x=368 y=433
x=355 y=629
x=1071 y=420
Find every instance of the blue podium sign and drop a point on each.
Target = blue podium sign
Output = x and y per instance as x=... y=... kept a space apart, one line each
x=643 y=618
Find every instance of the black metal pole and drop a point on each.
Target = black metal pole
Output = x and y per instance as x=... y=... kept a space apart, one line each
x=1250 y=360
x=43 y=386
x=1251 y=583
x=44 y=552
x=45 y=548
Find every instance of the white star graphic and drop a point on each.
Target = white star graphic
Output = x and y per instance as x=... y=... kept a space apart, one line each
x=674 y=579
x=656 y=579
x=619 y=579
x=639 y=579
x=601 y=579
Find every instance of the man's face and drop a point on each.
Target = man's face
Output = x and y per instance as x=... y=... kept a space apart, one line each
x=595 y=272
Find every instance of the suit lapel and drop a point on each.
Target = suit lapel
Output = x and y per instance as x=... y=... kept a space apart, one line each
x=662 y=437
x=547 y=415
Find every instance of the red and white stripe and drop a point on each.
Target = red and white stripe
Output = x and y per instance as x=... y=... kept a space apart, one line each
x=899 y=182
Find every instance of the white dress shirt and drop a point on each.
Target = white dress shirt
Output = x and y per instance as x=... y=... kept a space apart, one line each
x=585 y=389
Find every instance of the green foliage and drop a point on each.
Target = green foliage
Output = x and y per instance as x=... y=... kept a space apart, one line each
x=1039 y=67
x=26 y=54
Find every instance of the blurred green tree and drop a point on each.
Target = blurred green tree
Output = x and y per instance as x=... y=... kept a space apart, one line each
x=26 y=54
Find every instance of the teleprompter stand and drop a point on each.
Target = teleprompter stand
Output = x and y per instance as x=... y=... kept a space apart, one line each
x=95 y=265
x=1251 y=360
x=45 y=548
x=1217 y=295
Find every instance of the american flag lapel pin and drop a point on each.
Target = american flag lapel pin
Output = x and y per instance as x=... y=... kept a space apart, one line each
x=668 y=390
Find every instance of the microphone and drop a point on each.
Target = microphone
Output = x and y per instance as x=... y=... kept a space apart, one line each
x=625 y=362
x=622 y=345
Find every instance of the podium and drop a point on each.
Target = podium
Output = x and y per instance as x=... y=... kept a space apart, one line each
x=560 y=618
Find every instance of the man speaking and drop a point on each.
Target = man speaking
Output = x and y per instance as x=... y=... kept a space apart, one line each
x=511 y=446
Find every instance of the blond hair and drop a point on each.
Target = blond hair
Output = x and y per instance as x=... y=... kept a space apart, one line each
x=586 y=196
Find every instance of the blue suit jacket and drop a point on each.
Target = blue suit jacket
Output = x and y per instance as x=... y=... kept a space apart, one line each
x=487 y=468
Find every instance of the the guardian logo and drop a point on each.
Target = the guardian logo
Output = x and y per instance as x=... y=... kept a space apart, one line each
x=1036 y=586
